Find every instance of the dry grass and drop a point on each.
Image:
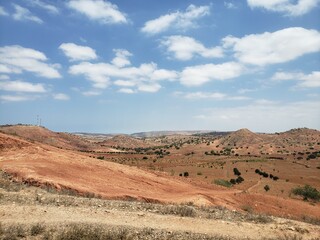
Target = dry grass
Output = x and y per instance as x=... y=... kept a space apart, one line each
x=85 y=231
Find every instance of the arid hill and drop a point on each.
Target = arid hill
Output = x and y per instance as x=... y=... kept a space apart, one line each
x=44 y=135
x=243 y=137
x=126 y=141
x=46 y=166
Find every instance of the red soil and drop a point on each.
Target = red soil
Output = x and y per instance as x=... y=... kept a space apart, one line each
x=43 y=165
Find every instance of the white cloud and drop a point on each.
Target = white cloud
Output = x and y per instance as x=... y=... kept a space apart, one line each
x=92 y=93
x=149 y=87
x=126 y=90
x=121 y=58
x=97 y=73
x=3 y=12
x=23 y=14
x=20 y=86
x=256 y=116
x=99 y=10
x=185 y=48
x=203 y=95
x=200 y=74
x=16 y=98
x=48 y=7
x=78 y=53
x=176 y=20
x=288 y=7
x=16 y=59
x=277 y=47
x=311 y=80
x=143 y=78
x=61 y=96
x=124 y=83
x=209 y=95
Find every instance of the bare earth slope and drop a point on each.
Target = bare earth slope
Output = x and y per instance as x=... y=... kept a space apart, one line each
x=43 y=165
x=43 y=135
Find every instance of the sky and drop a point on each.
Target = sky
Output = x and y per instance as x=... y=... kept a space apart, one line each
x=145 y=65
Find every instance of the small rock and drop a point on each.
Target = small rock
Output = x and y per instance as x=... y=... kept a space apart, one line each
x=291 y=228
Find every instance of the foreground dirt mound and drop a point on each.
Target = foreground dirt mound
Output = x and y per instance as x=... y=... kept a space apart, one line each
x=43 y=165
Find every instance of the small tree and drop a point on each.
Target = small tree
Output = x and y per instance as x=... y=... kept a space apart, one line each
x=267 y=188
x=185 y=174
x=236 y=172
x=233 y=181
x=307 y=192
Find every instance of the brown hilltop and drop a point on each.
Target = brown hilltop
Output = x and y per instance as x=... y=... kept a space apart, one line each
x=242 y=137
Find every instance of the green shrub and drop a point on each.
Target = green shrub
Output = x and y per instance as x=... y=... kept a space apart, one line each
x=222 y=182
x=307 y=192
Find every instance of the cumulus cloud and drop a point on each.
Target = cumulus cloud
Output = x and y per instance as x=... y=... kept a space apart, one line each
x=77 y=53
x=24 y=14
x=276 y=47
x=185 y=48
x=16 y=59
x=102 y=74
x=20 y=86
x=99 y=10
x=149 y=87
x=201 y=74
x=143 y=78
x=126 y=90
x=257 y=115
x=311 y=80
x=61 y=96
x=288 y=7
x=121 y=58
x=176 y=20
x=41 y=4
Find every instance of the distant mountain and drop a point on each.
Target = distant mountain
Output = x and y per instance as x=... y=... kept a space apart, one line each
x=127 y=141
x=167 y=133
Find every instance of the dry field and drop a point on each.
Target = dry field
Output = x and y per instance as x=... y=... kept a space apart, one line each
x=160 y=178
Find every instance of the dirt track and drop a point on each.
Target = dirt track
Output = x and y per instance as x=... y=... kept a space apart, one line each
x=95 y=215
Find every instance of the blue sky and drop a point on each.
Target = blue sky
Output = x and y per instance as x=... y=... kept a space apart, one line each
x=144 y=65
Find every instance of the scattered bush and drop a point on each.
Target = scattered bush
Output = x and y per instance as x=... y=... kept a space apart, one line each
x=267 y=188
x=236 y=172
x=186 y=174
x=307 y=192
x=239 y=179
x=233 y=181
x=100 y=157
